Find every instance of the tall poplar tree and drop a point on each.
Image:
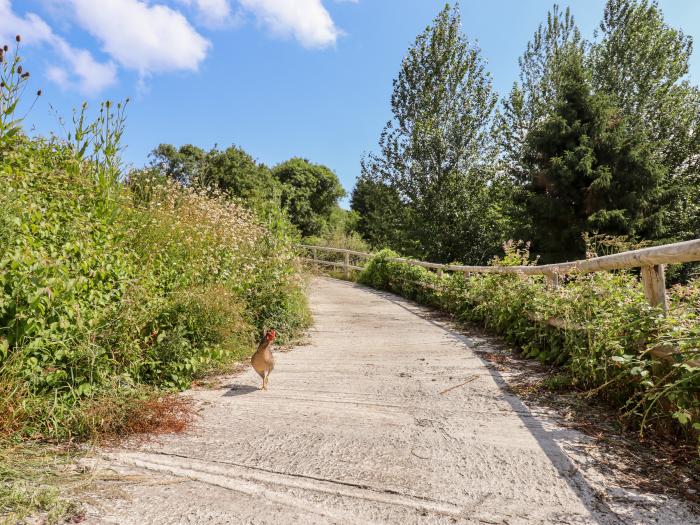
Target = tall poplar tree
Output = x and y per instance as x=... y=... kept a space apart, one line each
x=436 y=152
x=643 y=62
x=534 y=95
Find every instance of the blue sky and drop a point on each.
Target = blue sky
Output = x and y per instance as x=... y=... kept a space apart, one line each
x=280 y=78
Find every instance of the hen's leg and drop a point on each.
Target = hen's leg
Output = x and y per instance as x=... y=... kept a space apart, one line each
x=265 y=379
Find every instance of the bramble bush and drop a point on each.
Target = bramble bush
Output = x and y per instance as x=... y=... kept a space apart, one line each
x=605 y=332
x=116 y=289
x=153 y=292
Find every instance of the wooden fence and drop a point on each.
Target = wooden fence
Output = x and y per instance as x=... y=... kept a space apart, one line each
x=652 y=262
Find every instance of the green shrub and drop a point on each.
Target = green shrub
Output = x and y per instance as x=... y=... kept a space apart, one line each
x=345 y=240
x=100 y=301
x=377 y=273
x=112 y=290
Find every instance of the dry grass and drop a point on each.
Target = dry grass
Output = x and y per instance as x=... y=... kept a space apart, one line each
x=12 y=413
x=114 y=419
x=37 y=480
x=40 y=481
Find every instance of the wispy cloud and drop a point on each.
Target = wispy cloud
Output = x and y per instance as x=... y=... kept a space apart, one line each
x=75 y=69
x=307 y=21
x=92 y=76
x=213 y=14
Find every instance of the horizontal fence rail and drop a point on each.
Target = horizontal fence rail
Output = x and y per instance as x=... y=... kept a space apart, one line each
x=345 y=264
x=652 y=262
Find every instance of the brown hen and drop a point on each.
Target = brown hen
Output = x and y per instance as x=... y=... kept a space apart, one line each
x=263 y=362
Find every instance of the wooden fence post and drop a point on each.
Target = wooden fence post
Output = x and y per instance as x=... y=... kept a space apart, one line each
x=553 y=280
x=347 y=265
x=654 y=281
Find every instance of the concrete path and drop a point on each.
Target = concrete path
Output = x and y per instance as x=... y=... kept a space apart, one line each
x=385 y=417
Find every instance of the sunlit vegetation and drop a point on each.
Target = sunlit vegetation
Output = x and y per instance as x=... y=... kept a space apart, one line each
x=598 y=137
x=119 y=289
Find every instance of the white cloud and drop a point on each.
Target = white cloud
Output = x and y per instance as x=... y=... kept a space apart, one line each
x=32 y=28
x=92 y=75
x=152 y=37
x=142 y=37
x=306 y=20
x=58 y=75
x=214 y=14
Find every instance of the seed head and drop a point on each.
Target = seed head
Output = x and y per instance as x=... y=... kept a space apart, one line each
x=18 y=38
x=5 y=48
x=38 y=93
x=19 y=70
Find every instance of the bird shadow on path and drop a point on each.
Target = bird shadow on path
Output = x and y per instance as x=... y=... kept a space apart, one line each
x=240 y=390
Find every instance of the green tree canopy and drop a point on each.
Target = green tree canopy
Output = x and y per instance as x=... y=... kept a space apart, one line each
x=587 y=170
x=535 y=93
x=232 y=170
x=184 y=164
x=382 y=217
x=237 y=173
x=309 y=193
x=436 y=152
x=643 y=63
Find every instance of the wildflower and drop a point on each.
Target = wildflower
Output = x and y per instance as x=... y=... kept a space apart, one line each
x=19 y=70
x=17 y=38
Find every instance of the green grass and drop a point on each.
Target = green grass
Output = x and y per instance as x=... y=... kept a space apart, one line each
x=38 y=481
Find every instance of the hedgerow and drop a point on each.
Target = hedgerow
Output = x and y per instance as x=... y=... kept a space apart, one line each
x=599 y=326
x=155 y=292
x=117 y=289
